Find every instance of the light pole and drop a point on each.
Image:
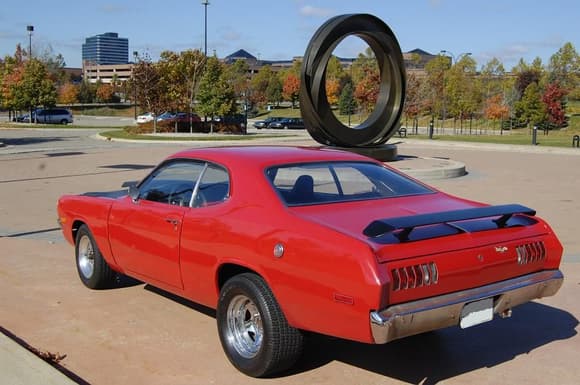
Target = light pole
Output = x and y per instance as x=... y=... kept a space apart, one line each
x=459 y=57
x=205 y=3
x=135 y=57
x=30 y=29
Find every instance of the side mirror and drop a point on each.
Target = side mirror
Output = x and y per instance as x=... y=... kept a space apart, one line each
x=134 y=192
x=129 y=183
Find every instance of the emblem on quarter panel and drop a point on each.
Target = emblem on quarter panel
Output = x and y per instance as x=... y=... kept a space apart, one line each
x=501 y=249
x=278 y=250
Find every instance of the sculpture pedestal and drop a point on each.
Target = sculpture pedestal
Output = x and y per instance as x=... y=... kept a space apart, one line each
x=382 y=153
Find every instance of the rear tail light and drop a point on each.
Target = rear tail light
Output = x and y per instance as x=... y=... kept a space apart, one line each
x=413 y=276
x=531 y=252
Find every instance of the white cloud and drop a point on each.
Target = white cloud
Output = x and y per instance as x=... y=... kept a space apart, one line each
x=309 y=10
x=113 y=8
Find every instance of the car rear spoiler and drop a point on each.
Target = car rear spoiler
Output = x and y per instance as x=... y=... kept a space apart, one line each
x=404 y=225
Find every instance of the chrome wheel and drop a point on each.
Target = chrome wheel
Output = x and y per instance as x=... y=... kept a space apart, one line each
x=86 y=257
x=244 y=326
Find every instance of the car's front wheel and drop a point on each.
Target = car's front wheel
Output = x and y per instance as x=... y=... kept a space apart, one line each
x=93 y=270
x=253 y=330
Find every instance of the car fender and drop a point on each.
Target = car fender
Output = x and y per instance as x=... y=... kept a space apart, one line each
x=94 y=213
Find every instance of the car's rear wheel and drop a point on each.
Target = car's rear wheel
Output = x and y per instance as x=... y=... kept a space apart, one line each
x=93 y=270
x=253 y=330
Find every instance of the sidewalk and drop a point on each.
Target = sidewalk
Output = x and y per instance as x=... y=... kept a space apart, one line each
x=19 y=366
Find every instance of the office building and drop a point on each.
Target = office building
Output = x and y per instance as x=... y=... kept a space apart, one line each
x=107 y=48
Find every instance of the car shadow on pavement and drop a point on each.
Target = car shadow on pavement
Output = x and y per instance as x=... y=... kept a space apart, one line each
x=182 y=301
x=32 y=140
x=436 y=356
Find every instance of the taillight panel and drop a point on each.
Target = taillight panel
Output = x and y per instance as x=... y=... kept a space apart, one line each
x=414 y=276
x=531 y=252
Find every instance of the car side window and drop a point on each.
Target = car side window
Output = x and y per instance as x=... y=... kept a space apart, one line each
x=214 y=186
x=173 y=183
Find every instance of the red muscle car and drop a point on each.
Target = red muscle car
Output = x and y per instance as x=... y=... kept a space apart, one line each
x=285 y=240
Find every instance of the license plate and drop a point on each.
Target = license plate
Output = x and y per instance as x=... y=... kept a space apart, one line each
x=475 y=313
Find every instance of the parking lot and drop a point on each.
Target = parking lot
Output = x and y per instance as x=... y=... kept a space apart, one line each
x=137 y=334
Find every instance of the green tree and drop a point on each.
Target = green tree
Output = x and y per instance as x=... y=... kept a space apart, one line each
x=346 y=102
x=530 y=107
x=35 y=88
x=564 y=68
x=461 y=89
x=237 y=75
x=274 y=90
x=216 y=95
x=87 y=92
x=492 y=78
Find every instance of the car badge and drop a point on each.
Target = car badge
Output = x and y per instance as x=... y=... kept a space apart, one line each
x=501 y=249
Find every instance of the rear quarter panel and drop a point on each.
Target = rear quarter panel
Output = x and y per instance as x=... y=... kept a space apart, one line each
x=325 y=282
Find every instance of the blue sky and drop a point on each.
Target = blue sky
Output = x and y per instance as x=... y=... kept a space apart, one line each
x=281 y=29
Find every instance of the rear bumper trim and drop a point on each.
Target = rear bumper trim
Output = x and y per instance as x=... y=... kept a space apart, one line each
x=434 y=313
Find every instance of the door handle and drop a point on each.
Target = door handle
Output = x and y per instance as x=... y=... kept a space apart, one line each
x=173 y=221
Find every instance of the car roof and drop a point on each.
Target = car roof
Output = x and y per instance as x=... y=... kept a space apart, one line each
x=267 y=156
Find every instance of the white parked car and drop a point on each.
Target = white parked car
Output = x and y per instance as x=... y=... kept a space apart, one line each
x=146 y=117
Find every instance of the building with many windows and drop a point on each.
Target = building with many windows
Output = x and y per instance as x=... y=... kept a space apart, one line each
x=107 y=48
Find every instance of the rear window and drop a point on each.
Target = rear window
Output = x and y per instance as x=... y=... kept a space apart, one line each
x=330 y=182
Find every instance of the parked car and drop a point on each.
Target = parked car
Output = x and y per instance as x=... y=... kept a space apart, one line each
x=23 y=118
x=282 y=240
x=145 y=118
x=173 y=117
x=47 y=116
x=186 y=117
x=165 y=116
x=288 y=123
x=265 y=123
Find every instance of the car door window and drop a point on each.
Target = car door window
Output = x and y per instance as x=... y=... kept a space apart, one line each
x=172 y=183
x=214 y=186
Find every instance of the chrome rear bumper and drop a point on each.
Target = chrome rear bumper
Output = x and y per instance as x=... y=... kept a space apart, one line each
x=421 y=316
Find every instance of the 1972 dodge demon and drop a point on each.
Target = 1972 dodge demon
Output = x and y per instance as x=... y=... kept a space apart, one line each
x=283 y=240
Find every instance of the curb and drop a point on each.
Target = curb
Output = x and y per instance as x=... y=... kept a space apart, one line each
x=19 y=366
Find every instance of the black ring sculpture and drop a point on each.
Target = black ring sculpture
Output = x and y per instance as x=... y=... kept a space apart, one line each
x=384 y=121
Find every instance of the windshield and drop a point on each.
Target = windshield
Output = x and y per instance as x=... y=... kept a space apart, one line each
x=330 y=182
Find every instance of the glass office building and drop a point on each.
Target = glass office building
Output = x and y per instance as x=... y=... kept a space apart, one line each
x=107 y=48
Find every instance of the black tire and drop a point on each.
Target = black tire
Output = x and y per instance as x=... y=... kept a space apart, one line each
x=93 y=270
x=255 y=352
x=64 y=121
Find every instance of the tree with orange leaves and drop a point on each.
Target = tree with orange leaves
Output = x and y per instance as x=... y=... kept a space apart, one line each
x=332 y=91
x=495 y=109
x=68 y=94
x=291 y=88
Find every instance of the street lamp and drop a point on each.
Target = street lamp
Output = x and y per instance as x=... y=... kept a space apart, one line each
x=205 y=3
x=453 y=59
x=135 y=57
x=30 y=29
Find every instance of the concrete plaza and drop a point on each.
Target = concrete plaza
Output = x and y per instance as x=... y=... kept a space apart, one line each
x=136 y=334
